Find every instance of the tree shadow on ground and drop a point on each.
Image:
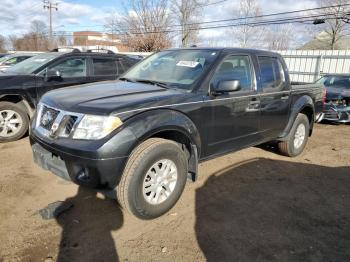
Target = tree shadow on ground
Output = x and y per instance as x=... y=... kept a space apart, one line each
x=270 y=210
x=87 y=228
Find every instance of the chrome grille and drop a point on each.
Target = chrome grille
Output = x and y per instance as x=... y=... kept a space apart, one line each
x=68 y=125
x=53 y=122
x=48 y=117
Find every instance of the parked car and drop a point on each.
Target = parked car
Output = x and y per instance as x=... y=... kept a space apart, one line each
x=22 y=85
x=337 y=106
x=146 y=132
x=13 y=59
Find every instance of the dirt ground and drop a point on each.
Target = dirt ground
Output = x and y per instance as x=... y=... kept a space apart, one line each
x=253 y=205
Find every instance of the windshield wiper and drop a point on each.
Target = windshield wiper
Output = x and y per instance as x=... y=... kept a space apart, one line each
x=147 y=81
x=127 y=79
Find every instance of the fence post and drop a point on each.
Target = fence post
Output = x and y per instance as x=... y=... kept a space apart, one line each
x=318 y=68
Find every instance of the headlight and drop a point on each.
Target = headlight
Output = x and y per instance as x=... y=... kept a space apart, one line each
x=96 y=127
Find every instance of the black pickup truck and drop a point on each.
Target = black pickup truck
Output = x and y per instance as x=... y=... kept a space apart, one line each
x=145 y=133
x=22 y=85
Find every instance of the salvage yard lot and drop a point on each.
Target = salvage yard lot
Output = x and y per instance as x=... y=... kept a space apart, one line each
x=253 y=205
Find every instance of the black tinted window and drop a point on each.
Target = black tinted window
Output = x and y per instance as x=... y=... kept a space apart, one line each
x=71 y=67
x=121 y=67
x=272 y=74
x=103 y=66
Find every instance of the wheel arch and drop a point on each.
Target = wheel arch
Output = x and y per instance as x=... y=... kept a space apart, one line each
x=19 y=100
x=303 y=105
x=172 y=125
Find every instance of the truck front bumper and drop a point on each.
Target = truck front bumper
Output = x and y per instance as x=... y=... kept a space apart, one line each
x=101 y=173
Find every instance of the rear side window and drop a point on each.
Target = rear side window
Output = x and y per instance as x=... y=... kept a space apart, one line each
x=272 y=73
x=121 y=68
x=103 y=66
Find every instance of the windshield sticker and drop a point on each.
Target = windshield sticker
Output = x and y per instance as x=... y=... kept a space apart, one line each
x=40 y=60
x=191 y=64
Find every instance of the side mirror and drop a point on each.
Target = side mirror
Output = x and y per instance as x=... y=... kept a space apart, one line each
x=54 y=75
x=228 y=86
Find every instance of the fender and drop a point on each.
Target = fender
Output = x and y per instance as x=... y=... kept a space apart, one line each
x=149 y=123
x=159 y=121
x=300 y=104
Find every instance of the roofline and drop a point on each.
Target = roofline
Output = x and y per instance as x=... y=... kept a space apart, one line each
x=233 y=49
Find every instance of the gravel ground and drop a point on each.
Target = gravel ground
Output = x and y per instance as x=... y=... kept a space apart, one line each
x=252 y=205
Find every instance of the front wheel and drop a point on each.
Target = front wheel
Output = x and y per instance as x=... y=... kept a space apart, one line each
x=298 y=137
x=154 y=178
x=14 y=122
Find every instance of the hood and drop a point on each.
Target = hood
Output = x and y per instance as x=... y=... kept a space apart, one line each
x=112 y=97
x=334 y=93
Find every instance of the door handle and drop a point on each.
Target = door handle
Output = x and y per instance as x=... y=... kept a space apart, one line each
x=254 y=102
x=286 y=97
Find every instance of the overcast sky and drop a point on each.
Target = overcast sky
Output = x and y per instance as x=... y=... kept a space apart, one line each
x=74 y=15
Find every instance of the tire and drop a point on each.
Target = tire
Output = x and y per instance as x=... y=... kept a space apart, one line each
x=20 y=121
x=140 y=171
x=295 y=144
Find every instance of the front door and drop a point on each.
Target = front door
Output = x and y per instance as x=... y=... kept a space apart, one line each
x=73 y=71
x=234 y=119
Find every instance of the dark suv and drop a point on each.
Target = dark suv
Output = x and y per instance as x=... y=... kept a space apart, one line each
x=22 y=85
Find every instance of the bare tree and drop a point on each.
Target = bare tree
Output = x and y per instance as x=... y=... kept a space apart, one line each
x=113 y=24
x=246 y=34
x=186 y=14
x=35 y=40
x=147 y=25
x=335 y=25
x=2 y=44
x=278 y=37
x=60 y=39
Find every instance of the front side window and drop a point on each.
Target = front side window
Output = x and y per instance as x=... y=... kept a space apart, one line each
x=103 y=66
x=271 y=73
x=175 y=68
x=234 y=68
x=71 y=67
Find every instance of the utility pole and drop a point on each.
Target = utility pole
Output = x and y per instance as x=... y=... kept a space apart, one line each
x=49 y=5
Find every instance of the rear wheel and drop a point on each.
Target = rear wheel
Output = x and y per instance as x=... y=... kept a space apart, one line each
x=298 y=137
x=153 y=179
x=14 y=122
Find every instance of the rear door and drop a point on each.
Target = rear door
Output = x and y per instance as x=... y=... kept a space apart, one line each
x=73 y=71
x=275 y=95
x=234 y=119
x=104 y=68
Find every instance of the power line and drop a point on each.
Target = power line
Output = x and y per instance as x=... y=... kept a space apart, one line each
x=240 y=18
x=288 y=20
x=214 y=3
x=278 y=21
x=299 y=19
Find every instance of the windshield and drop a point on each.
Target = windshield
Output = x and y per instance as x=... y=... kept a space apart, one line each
x=30 y=65
x=4 y=58
x=173 y=68
x=341 y=82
